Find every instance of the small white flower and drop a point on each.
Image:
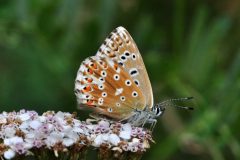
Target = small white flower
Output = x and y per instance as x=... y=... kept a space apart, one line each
x=35 y=124
x=42 y=118
x=13 y=141
x=126 y=131
x=117 y=149
x=114 y=139
x=9 y=154
x=53 y=138
x=9 y=131
x=30 y=135
x=74 y=136
x=68 y=142
x=146 y=144
x=24 y=125
x=91 y=126
x=135 y=140
x=67 y=128
x=125 y=135
x=104 y=123
x=105 y=137
x=98 y=140
x=50 y=127
x=78 y=130
x=59 y=115
x=24 y=117
x=3 y=120
x=127 y=127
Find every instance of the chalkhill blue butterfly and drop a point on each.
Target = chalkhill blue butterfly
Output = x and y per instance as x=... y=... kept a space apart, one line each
x=115 y=83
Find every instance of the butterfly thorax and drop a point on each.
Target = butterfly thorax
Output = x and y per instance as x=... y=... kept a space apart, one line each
x=141 y=117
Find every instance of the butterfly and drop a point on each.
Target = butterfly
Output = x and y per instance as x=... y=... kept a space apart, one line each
x=115 y=82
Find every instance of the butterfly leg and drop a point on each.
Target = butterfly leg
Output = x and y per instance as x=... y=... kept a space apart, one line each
x=146 y=119
x=153 y=123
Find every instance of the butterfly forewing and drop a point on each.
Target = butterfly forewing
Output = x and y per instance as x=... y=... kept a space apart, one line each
x=115 y=81
x=121 y=47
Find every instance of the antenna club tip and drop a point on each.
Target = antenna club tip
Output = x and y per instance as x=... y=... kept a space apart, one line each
x=190 y=97
x=190 y=108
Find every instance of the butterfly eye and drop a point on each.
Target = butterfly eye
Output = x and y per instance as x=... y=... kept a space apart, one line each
x=100 y=101
x=101 y=87
x=127 y=54
x=123 y=58
x=104 y=73
x=134 y=57
x=109 y=109
x=133 y=72
x=128 y=82
x=102 y=79
x=136 y=82
x=118 y=104
x=122 y=98
x=134 y=94
x=104 y=94
x=116 y=77
x=121 y=63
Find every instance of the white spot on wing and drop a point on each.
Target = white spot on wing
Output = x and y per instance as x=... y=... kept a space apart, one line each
x=118 y=91
x=109 y=110
x=134 y=94
x=116 y=77
x=122 y=98
x=118 y=104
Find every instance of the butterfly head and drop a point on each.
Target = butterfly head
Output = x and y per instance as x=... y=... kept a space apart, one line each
x=159 y=108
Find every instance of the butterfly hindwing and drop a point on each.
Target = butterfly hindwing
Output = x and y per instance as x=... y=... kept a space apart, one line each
x=104 y=86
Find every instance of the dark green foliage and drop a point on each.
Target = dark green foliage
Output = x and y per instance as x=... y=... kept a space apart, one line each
x=190 y=48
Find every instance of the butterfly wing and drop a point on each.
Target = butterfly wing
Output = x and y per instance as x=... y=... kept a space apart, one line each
x=121 y=47
x=114 y=82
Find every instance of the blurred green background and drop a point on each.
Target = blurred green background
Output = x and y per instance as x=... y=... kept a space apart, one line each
x=190 y=48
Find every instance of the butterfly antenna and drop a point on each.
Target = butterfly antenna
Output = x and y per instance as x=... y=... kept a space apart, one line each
x=176 y=99
x=170 y=102
x=182 y=107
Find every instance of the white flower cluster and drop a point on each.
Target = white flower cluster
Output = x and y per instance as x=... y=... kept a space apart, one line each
x=23 y=131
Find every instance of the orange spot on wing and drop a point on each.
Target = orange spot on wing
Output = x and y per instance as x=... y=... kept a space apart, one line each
x=87 y=88
x=90 y=71
x=115 y=66
x=90 y=102
x=112 y=55
x=82 y=83
x=94 y=66
x=89 y=80
x=95 y=86
x=104 y=65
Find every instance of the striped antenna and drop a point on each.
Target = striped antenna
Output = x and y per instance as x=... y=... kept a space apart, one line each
x=171 y=102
